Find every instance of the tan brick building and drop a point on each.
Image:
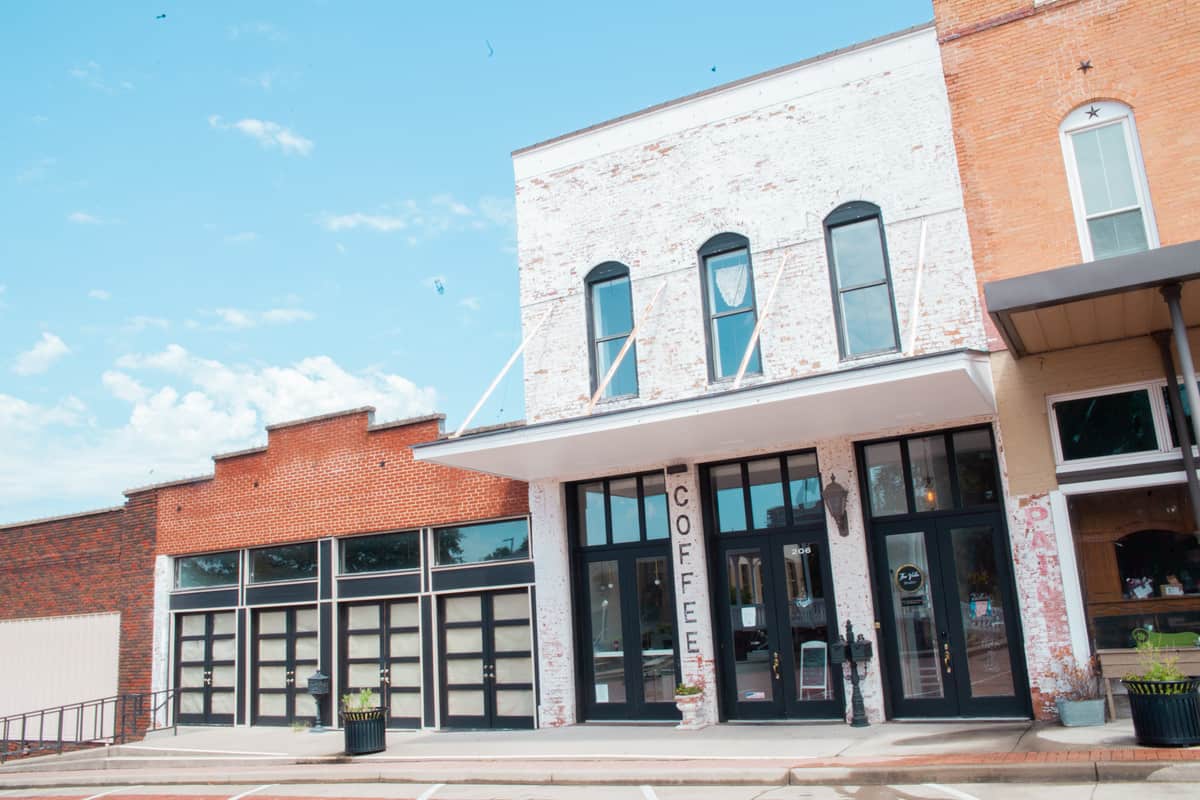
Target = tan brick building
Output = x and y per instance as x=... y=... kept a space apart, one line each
x=1074 y=123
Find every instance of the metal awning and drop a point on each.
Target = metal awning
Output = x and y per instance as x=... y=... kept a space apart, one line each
x=927 y=390
x=1100 y=301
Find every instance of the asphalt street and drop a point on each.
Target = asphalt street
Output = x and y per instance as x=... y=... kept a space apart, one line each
x=928 y=791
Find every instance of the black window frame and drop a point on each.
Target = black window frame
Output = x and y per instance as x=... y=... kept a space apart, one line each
x=848 y=214
x=237 y=577
x=719 y=245
x=957 y=507
x=603 y=273
x=344 y=540
x=435 y=564
x=792 y=520
x=250 y=580
x=579 y=528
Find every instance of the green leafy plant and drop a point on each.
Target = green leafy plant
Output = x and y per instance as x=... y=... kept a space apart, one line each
x=687 y=690
x=364 y=700
x=1155 y=665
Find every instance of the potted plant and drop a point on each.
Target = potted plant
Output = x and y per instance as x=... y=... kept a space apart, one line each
x=363 y=722
x=1163 y=701
x=1080 y=704
x=688 y=699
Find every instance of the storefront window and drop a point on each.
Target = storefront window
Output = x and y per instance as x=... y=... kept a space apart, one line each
x=885 y=479
x=777 y=498
x=291 y=562
x=593 y=520
x=211 y=569
x=727 y=494
x=945 y=471
x=930 y=473
x=623 y=500
x=489 y=541
x=804 y=484
x=1105 y=425
x=766 y=494
x=388 y=551
x=622 y=510
x=975 y=462
x=654 y=500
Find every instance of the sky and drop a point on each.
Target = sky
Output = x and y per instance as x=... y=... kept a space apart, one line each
x=215 y=216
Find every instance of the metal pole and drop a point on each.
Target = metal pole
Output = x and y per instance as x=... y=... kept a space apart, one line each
x=1171 y=293
x=1182 y=430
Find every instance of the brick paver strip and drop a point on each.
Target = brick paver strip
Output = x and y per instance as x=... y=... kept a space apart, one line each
x=1042 y=757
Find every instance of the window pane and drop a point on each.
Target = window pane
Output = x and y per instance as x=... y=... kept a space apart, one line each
x=976 y=466
x=767 y=508
x=654 y=496
x=885 y=479
x=612 y=307
x=1104 y=170
x=930 y=473
x=213 y=569
x=1109 y=425
x=1187 y=415
x=623 y=500
x=378 y=553
x=591 y=514
x=804 y=484
x=624 y=382
x=491 y=541
x=288 y=563
x=730 y=336
x=727 y=493
x=857 y=253
x=867 y=321
x=729 y=282
x=1118 y=234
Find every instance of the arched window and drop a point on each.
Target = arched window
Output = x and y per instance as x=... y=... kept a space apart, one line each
x=728 y=289
x=863 y=304
x=1107 y=181
x=610 y=321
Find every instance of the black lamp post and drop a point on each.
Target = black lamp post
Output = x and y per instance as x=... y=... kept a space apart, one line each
x=318 y=687
x=835 y=500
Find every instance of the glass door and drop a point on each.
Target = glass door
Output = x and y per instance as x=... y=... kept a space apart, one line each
x=381 y=651
x=205 y=667
x=487 y=660
x=949 y=616
x=285 y=655
x=629 y=634
x=776 y=627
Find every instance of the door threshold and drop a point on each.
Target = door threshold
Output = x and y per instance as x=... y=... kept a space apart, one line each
x=784 y=722
x=961 y=719
x=624 y=722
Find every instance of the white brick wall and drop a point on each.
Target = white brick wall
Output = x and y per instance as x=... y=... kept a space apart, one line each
x=768 y=159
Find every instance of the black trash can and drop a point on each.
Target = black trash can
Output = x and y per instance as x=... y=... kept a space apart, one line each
x=365 y=731
x=1165 y=713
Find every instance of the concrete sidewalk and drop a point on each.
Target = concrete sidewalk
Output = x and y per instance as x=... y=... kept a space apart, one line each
x=765 y=755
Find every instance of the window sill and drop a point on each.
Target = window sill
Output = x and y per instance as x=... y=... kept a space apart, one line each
x=383 y=573
x=844 y=359
x=198 y=589
x=475 y=564
x=1132 y=459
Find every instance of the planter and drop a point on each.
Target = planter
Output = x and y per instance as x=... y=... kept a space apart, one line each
x=1080 y=713
x=1165 y=713
x=366 y=731
x=689 y=706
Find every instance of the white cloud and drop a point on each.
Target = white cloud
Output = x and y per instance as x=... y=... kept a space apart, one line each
x=348 y=222
x=124 y=387
x=238 y=318
x=84 y=218
x=141 y=322
x=268 y=134
x=453 y=206
x=100 y=294
x=41 y=356
x=471 y=303
x=422 y=221
x=18 y=416
x=241 y=238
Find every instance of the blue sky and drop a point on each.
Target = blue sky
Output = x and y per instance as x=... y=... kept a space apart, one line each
x=235 y=215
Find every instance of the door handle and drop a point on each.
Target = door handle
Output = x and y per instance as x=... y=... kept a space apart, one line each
x=946 y=658
x=775 y=664
x=385 y=676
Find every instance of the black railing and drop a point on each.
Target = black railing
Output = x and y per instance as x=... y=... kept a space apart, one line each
x=109 y=720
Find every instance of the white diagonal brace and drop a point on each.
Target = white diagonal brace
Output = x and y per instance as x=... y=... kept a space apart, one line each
x=914 y=313
x=612 y=370
x=511 y=360
x=758 y=326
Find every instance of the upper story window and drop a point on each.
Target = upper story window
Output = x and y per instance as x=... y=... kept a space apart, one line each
x=487 y=541
x=211 y=569
x=289 y=562
x=728 y=282
x=610 y=314
x=381 y=552
x=864 y=307
x=622 y=510
x=1107 y=181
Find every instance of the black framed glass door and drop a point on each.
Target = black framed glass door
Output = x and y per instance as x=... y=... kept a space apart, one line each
x=381 y=651
x=285 y=648
x=205 y=667
x=951 y=640
x=487 y=660
x=776 y=621
x=628 y=637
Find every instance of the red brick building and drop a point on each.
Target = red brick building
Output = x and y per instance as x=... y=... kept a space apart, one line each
x=1074 y=123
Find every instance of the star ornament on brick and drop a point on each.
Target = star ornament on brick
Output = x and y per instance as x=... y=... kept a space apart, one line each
x=1093 y=112
x=1084 y=66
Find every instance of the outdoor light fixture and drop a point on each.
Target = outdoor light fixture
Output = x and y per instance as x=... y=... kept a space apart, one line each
x=835 y=501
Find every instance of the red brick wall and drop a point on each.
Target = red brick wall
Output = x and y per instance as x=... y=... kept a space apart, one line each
x=1011 y=71
x=91 y=564
x=327 y=477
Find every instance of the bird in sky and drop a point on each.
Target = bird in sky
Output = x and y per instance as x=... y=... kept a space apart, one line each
x=161 y=16
x=491 y=52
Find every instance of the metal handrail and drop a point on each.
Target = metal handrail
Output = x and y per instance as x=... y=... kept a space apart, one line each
x=109 y=720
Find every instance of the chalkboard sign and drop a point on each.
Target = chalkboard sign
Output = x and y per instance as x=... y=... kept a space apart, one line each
x=910 y=578
x=814 y=665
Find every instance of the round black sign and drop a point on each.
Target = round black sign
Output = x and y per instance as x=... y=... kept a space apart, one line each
x=910 y=578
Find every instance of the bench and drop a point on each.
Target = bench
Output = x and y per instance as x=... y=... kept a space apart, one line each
x=1116 y=664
